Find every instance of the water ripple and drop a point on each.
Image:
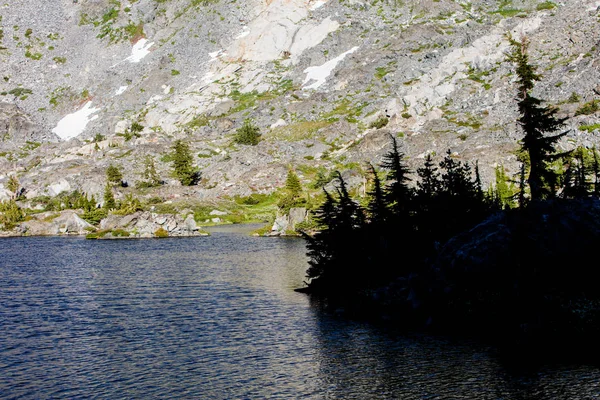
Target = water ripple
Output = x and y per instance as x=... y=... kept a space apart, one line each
x=215 y=318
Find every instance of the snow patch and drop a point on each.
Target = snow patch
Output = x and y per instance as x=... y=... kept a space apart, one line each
x=154 y=99
x=244 y=33
x=320 y=73
x=317 y=4
x=280 y=122
x=74 y=124
x=120 y=90
x=140 y=50
x=216 y=54
x=594 y=6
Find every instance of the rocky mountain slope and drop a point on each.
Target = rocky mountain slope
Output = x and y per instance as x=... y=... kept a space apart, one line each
x=88 y=83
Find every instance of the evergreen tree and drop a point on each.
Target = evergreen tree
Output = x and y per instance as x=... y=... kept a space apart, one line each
x=109 y=198
x=398 y=195
x=248 y=134
x=293 y=192
x=13 y=185
x=333 y=251
x=536 y=120
x=377 y=207
x=150 y=177
x=292 y=184
x=183 y=168
x=114 y=175
x=429 y=181
x=504 y=191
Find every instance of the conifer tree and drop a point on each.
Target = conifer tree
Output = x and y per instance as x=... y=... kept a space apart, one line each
x=292 y=184
x=183 y=167
x=429 y=181
x=149 y=175
x=109 y=198
x=13 y=185
x=248 y=133
x=293 y=191
x=377 y=207
x=398 y=194
x=114 y=174
x=536 y=120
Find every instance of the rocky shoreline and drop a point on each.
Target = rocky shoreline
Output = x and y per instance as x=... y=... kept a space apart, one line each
x=141 y=224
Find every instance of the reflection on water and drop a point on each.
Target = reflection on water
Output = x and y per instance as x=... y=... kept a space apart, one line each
x=216 y=318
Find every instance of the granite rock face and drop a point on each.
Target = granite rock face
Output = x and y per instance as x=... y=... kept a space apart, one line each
x=90 y=83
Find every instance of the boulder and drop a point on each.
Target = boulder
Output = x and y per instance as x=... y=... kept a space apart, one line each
x=287 y=222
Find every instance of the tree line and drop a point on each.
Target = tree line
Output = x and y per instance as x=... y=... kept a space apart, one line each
x=408 y=221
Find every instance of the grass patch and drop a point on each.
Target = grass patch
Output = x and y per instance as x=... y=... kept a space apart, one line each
x=589 y=128
x=296 y=132
x=588 y=108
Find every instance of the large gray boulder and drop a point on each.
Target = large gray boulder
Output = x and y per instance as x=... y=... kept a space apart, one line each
x=286 y=223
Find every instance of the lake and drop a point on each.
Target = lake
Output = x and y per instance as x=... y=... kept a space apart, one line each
x=217 y=318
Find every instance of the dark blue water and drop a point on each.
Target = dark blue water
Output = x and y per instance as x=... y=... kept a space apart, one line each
x=216 y=318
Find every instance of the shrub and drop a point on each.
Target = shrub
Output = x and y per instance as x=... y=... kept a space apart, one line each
x=10 y=214
x=379 y=122
x=161 y=233
x=588 y=108
x=95 y=216
x=573 y=98
x=114 y=174
x=248 y=134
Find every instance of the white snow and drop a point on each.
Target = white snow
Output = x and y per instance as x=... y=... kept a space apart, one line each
x=594 y=6
x=140 y=50
x=120 y=90
x=244 y=33
x=74 y=124
x=320 y=73
x=317 y=4
x=216 y=54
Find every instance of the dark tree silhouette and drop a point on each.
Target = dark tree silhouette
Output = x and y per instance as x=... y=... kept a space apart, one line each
x=536 y=120
x=397 y=192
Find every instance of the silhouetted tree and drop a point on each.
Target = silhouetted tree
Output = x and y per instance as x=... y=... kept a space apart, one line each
x=536 y=120
x=377 y=209
x=397 y=193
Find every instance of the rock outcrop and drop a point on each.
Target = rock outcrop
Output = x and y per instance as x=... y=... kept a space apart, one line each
x=93 y=83
x=146 y=225
x=286 y=224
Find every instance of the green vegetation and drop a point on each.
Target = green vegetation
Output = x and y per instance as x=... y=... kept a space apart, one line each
x=149 y=175
x=114 y=175
x=546 y=5
x=589 y=128
x=573 y=98
x=292 y=194
x=109 y=198
x=536 y=120
x=198 y=121
x=588 y=108
x=247 y=134
x=161 y=233
x=379 y=122
x=13 y=184
x=182 y=163
x=10 y=214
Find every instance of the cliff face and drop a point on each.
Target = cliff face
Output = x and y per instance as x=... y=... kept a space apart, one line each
x=314 y=75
